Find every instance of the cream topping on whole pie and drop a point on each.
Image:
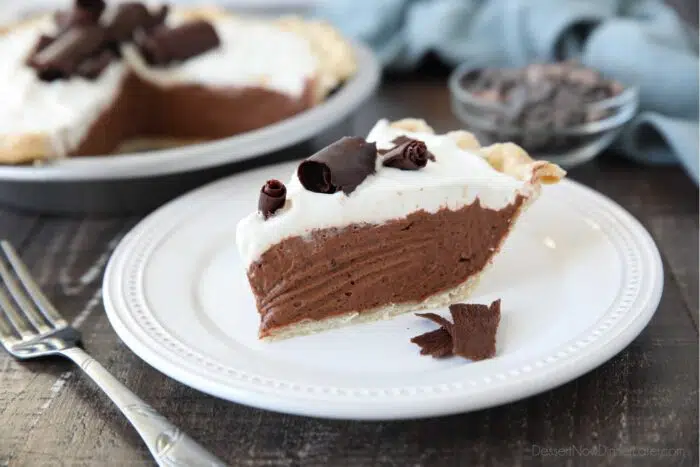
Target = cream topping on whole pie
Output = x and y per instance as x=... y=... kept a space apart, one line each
x=44 y=119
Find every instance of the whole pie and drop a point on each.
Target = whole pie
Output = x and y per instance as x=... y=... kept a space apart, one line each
x=88 y=79
x=366 y=229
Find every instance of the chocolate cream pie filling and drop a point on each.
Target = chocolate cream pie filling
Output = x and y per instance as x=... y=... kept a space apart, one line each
x=99 y=74
x=368 y=229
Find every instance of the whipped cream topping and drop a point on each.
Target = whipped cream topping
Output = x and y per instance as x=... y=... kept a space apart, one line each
x=62 y=109
x=253 y=53
x=455 y=179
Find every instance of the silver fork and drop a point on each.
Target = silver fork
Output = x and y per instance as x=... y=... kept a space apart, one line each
x=31 y=327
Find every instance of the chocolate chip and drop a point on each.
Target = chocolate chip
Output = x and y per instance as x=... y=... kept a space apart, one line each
x=165 y=45
x=272 y=197
x=409 y=155
x=539 y=98
x=474 y=329
x=62 y=57
x=127 y=18
x=342 y=165
x=41 y=43
x=93 y=66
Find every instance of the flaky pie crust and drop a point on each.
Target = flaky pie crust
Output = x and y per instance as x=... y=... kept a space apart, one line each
x=507 y=158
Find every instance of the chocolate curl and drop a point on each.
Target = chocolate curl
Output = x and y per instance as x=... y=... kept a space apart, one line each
x=474 y=330
x=273 y=194
x=411 y=155
x=62 y=57
x=130 y=17
x=399 y=140
x=437 y=319
x=84 y=13
x=165 y=45
x=342 y=165
x=41 y=43
x=92 y=67
x=437 y=343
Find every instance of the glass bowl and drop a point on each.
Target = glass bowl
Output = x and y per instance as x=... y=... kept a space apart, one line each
x=567 y=146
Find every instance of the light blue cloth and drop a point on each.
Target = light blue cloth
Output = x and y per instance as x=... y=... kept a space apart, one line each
x=636 y=41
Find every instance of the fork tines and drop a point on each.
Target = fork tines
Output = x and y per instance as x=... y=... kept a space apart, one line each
x=25 y=312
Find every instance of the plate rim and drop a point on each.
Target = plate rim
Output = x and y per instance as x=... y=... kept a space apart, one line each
x=248 y=145
x=258 y=395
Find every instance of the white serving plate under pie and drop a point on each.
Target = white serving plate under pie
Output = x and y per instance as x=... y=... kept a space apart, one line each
x=579 y=279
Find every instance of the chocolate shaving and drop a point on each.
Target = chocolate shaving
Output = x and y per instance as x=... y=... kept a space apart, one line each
x=41 y=43
x=342 y=165
x=165 y=45
x=398 y=141
x=130 y=17
x=92 y=67
x=437 y=343
x=437 y=319
x=84 y=13
x=472 y=335
x=411 y=155
x=62 y=57
x=272 y=197
x=474 y=330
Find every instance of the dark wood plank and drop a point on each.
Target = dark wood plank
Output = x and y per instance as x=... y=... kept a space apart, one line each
x=67 y=258
x=677 y=237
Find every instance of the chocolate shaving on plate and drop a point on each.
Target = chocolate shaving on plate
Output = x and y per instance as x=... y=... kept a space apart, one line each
x=272 y=197
x=437 y=343
x=165 y=45
x=474 y=329
x=342 y=165
x=472 y=335
x=437 y=319
x=410 y=155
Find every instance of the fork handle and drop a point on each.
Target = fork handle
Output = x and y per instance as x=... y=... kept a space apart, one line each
x=168 y=445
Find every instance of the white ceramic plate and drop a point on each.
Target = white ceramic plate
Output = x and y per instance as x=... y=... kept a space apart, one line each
x=579 y=279
x=247 y=145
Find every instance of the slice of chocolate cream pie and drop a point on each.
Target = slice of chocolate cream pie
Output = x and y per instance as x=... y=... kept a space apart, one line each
x=368 y=229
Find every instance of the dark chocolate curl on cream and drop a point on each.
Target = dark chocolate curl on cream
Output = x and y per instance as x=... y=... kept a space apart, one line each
x=41 y=43
x=62 y=57
x=343 y=165
x=164 y=45
x=402 y=139
x=83 y=13
x=272 y=197
x=92 y=67
x=130 y=17
x=410 y=155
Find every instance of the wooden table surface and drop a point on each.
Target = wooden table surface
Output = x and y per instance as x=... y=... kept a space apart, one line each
x=643 y=399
